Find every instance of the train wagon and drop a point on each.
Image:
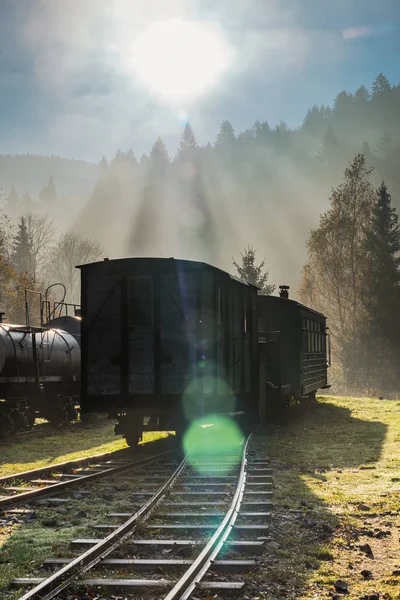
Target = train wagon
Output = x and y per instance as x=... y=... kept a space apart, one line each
x=294 y=348
x=39 y=373
x=166 y=341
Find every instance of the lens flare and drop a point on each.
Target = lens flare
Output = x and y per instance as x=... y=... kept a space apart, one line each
x=207 y=394
x=212 y=438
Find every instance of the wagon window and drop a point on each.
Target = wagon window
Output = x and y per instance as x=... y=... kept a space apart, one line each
x=140 y=302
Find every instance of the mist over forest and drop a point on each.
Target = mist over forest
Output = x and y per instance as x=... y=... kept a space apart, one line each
x=266 y=185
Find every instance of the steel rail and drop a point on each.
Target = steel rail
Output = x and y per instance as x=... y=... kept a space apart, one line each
x=70 y=483
x=187 y=583
x=56 y=583
x=62 y=466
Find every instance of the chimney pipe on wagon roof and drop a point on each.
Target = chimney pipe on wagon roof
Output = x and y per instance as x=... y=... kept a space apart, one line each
x=284 y=291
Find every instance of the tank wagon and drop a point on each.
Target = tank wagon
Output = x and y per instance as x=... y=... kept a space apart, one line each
x=39 y=372
x=165 y=341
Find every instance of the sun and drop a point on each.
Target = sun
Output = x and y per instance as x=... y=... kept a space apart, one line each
x=179 y=59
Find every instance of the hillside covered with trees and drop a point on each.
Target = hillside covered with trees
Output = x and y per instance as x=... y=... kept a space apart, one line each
x=267 y=184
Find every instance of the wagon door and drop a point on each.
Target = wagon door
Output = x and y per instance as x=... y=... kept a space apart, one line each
x=179 y=315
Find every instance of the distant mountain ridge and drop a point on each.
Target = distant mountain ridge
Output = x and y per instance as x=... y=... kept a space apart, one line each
x=31 y=172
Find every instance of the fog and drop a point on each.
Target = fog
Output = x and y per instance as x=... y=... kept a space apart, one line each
x=80 y=92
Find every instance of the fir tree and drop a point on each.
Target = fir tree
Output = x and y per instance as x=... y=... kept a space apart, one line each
x=226 y=134
x=383 y=244
x=26 y=202
x=362 y=95
x=159 y=158
x=13 y=199
x=384 y=146
x=382 y=293
x=380 y=86
x=48 y=195
x=252 y=273
x=102 y=167
x=188 y=143
x=22 y=249
x=261 y=131
x=315 y=120
x=329 y=149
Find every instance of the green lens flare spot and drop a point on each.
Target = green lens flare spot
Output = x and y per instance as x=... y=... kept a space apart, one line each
x=211 y=440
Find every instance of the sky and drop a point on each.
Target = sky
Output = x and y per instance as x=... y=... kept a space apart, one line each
x=83 y=78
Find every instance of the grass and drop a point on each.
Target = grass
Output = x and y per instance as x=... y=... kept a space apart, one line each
x=47 y=446
x=337 y=476
x=337 y=479
x=24 y=547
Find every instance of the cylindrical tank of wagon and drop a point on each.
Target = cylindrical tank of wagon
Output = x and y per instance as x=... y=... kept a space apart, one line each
x=58 y=354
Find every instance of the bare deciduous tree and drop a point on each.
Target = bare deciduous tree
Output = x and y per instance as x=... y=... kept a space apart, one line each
x=41 y=233
x=334 y=277
x=72 y=250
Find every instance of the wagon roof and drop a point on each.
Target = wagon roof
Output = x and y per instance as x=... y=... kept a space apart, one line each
x=293 y=303
x=159 y=259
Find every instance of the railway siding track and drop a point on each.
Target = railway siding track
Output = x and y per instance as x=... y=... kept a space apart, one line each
x=29 y=486
x=218 y=506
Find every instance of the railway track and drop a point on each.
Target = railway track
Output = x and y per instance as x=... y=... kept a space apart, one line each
x=29 y=486
x=186 y=526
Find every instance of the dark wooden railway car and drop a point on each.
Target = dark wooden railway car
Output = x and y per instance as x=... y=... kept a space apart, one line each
x=165 y=341
x=293 y=350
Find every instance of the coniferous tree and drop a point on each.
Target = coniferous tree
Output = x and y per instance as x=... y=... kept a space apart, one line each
x=159 y=158
x=328 y=153
x=362 y=95
x=48 y=195
x=380 y=86
x=13 y=199
x=26 y=202
x=382 y=294
x=249 y=271
x=188 y=143
x=226 y=134
x=102 y=167
x=262 y=131
x=22 y=249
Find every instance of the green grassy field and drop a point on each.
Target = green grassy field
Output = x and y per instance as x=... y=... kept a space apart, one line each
x=337 y=487
x=337 y=478
x=44 y=447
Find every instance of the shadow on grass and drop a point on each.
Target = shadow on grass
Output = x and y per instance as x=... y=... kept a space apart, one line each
x=311 y=444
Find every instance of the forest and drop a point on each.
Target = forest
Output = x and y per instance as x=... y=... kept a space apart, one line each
x=268 y=185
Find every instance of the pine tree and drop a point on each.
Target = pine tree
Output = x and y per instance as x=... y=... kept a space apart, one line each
x=315 y=120
x=22 y=249
x=226 y=135
x=159 y=158
x=382 y=292
x=362 y=95
x=380 y=86
x=26 y=202
x=48 y=195
x=384 y=146
x=261 y=131
x=281 y=137
x=328 y=153
x=102 y=167
x=188 y=143
x=250 y=272
x=13 y=199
